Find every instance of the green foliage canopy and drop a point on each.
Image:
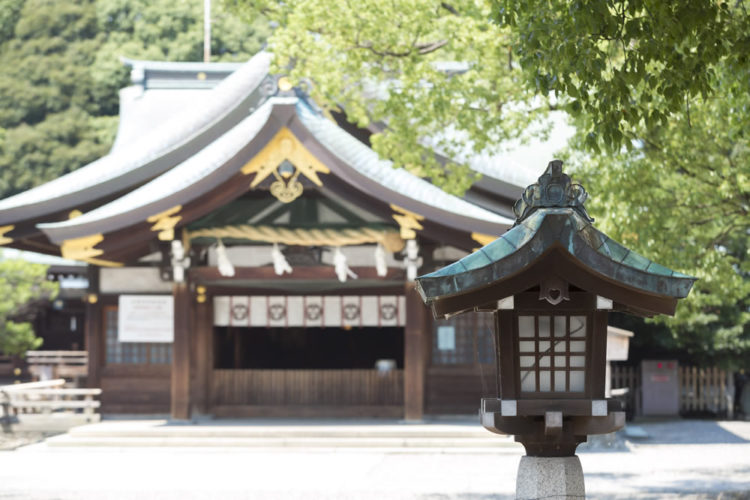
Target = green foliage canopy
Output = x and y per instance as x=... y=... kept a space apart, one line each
x=622 y=64
x=683 y=197
x=21 y=283
x=437 y=73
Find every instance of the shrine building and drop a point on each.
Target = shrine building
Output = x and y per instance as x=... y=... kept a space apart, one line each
x=250 y=255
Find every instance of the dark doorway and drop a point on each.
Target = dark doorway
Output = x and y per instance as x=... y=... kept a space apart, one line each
x=307 y=348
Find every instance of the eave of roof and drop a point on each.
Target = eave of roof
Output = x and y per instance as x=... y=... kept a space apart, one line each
x=543 y=230
x=208 y=167
x=131 y=166
x=365 y=161
x=157 y=195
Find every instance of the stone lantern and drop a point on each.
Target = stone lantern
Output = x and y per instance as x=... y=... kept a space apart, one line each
x=551 y=281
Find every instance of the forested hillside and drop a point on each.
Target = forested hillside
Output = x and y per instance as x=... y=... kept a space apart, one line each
x=61 y=73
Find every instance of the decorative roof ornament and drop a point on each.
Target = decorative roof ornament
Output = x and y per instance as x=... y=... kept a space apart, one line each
x=553 y=190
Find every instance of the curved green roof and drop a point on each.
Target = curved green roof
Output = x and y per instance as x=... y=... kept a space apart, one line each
x=544 y=225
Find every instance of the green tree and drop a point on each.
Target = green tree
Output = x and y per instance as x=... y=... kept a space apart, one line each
x=682 y=197
x=437 y=73
x=21 y=283
x=622 y=64
x=658 y=91
x=59 y=87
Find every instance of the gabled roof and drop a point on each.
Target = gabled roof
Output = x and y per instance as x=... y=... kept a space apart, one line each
x=587 y=259
x=223 y=163
x=193 y=161
x=153 y=153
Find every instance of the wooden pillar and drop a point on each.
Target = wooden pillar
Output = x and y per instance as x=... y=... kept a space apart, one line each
x=180 y=397
x=599 y=363
x=94 y=344
x=202 y=354
x=93 y=330
x=416 y=338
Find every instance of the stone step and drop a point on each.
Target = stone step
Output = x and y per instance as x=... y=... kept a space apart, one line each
x=279 y=433
x=372 y=442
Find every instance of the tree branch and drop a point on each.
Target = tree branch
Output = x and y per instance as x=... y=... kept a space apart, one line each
x=421 y=48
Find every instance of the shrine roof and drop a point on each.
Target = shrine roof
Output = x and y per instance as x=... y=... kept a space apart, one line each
x=540 y=229
x=367 y=162
x=217 y=163
x=148 y=156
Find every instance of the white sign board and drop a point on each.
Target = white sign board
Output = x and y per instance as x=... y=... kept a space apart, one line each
x=145 y=318
x=446 y=337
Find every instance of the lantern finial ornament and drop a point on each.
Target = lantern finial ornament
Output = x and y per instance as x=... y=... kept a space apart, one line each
x=553 y=190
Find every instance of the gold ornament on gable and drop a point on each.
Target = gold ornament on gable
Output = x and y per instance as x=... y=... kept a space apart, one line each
x=165 y=222
x=286 y=158
x=4 y=240
x=408 y=221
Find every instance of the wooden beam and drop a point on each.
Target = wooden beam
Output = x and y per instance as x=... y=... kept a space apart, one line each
x=416 y=340
x=180 y=388
x=204 y=274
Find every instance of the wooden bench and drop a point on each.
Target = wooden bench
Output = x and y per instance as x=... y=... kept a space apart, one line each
x=47 y=405
x=45 y=365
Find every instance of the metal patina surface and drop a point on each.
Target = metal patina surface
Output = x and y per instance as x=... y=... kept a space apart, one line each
x=551 y=216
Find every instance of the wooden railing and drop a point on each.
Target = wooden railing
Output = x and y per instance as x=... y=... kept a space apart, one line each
x=46 y=365
x=46 y=397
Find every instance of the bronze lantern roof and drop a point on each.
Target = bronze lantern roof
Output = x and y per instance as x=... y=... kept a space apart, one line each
x=553 y=235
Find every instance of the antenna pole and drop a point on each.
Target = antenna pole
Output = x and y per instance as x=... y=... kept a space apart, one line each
x=206 y=30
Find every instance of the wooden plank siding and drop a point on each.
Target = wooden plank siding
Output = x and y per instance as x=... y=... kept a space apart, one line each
x=135 y=389
x=458 y=390
x=311 y=389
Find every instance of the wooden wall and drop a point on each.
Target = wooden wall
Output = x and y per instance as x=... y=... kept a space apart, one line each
x=458 y=389
x=298 y=393
x=458 y=379
x=135 y=388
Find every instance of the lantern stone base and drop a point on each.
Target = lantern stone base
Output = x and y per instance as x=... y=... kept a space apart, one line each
x=550 y=478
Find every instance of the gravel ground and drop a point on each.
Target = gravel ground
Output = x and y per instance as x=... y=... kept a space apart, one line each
x=681 y=460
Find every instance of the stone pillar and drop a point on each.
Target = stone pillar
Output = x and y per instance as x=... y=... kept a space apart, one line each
x=550 y=478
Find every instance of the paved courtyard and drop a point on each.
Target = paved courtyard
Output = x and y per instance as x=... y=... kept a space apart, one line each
x=684 y=459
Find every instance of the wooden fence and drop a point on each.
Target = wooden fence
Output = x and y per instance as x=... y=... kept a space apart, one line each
x=705 y=390
x=701 y=390
x=46 y=406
